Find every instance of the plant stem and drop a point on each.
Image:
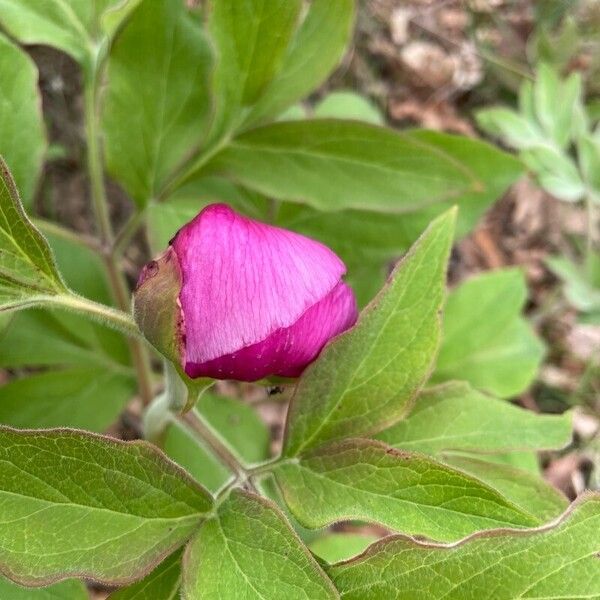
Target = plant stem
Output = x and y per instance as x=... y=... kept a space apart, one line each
x=216 y=444
x=68 y=234
x=94 y=161
x=139 y=352
x=124 y=237
x=107 y=315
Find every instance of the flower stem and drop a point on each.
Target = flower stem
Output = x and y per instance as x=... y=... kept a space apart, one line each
x=139 y=352
x=216 y=444
x=106 y=315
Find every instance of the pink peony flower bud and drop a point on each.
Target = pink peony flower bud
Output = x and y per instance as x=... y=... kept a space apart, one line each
x=233 y=298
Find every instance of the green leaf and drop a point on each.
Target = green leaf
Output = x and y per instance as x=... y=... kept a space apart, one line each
x=22 y=134
x=366 y=378
x=334 y=547
x=74 y=503
x=247 y=551
x=556 y=172
x=333 y=165
x=526 y=490
x=523 y=460
x=240 y=427
x=89 y=378
x=27 y=268
x=251 y=38
x=556 y=561
x=48 y=22
x=515 y=129
x=66 y=590
x=74 y=396
x=162 y=584
x=486 y=340
x=316 y=48
x=578 y=290
x=157 y=102
x=116 y=15
x=369 y=481
x=76 y=27
x=589 y=159
x=348 y=105
x=456 y=417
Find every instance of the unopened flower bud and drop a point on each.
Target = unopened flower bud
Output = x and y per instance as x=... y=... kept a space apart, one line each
x=232 y=298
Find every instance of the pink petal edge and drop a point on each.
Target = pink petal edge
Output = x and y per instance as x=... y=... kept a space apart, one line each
x=287 y=351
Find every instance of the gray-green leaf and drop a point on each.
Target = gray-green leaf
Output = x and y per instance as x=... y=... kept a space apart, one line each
x=73 y=503
x=556 y=561
x=412 y=493
x=248 y=551
x=366 y=379
x=556 y=172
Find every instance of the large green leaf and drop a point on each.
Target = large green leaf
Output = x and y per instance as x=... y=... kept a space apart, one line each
x=28 y=271
x=239 y=425
x=88 y=378
x=369 y=481
x=525 y=489
x=73 y=503
x=333 y=165
x=553 y=562
x=157 y=101
x=162 y=584
x=251 y=38
x=486 y=340
x=22 y=135
x=314 y=51
x=454 y=416
x=249 y=551
x=66 y=590
x=366 y=378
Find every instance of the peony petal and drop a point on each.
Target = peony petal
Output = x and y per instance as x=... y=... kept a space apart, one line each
x=244 y=280
x=287 y=351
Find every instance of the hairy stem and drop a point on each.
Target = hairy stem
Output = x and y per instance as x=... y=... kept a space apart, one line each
x=139 y=352
x=106 y=315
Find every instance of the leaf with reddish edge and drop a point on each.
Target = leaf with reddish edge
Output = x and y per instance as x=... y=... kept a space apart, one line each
x=369 y=481
x=556 y=561
x=75 y=504
x=366 y=379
